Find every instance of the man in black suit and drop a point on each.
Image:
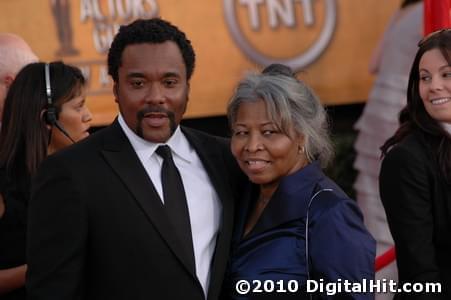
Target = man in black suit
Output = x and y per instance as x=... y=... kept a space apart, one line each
x=100 y=225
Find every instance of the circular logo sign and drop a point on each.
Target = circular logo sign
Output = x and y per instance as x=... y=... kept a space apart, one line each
x=296 y=62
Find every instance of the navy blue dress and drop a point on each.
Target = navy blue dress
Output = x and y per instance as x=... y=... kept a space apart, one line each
x=339 y=246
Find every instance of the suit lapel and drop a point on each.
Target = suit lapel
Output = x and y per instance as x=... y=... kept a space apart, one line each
x=120 y=155
x=211 y=155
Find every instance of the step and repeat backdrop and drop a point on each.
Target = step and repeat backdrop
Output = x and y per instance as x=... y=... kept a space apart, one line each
x=329 y=42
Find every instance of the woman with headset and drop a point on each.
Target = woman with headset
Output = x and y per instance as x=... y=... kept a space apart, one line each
x=44 y=112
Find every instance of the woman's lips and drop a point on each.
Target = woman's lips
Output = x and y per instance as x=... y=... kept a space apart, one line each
x=256 y=165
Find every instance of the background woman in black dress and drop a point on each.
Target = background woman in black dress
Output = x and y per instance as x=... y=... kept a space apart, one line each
x=31 y=129
x=415 y=178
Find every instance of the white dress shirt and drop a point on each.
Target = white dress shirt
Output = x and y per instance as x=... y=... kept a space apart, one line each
x=204 y=206
x=447 y=127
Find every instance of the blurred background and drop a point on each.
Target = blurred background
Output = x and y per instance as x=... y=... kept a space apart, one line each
x=329 y=42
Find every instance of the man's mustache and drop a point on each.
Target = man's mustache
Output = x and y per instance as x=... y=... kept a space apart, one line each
x=154 y=109
x=141 y=113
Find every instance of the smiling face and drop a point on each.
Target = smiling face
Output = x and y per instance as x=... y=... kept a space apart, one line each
x=435 y=85
x=262 y=150
x=75 y=118
x=152 y=89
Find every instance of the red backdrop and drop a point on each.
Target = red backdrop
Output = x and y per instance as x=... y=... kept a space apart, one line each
x=437 y=15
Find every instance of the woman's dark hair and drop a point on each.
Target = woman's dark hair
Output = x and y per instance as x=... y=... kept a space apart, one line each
x=414 y=115
x=279 y=69
x=24 y=135
x=409 y=2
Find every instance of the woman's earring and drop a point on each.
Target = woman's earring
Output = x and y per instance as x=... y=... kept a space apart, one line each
x=301 y=149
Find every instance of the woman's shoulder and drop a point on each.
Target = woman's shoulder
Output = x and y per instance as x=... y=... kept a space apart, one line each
x=14 y=203
x=329 y=198
x=3 y=181
x=411 y=159
x=338 y=222
x=14 y=187
x=415 y=146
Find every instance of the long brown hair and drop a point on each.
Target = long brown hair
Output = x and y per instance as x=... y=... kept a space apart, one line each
x=24 y=135
x=414 y=116
x=409 y=2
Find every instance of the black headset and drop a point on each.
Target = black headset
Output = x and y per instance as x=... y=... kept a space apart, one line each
x=51 y=115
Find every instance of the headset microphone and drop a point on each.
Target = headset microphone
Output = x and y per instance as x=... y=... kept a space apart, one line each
x=51 y=116
x=63 y=131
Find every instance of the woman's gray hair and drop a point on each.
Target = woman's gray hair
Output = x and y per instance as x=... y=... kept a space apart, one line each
x=290 y=104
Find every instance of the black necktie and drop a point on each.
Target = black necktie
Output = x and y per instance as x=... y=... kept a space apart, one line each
x=175 y=201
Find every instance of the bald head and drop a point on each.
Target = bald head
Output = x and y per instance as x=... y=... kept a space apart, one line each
x=14 y=55
x=12 y=40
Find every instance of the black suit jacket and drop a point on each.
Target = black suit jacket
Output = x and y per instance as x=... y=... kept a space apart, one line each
x=98 y=229
x=418 y=205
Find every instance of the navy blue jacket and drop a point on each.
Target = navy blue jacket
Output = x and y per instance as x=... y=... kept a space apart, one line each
x=339 y=246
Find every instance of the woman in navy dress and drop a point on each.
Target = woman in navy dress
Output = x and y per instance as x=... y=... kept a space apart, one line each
x=280 y=140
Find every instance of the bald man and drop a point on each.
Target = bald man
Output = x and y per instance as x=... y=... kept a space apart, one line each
x=14 y=55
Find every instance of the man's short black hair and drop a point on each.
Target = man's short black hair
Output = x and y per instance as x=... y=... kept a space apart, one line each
x=153 y=31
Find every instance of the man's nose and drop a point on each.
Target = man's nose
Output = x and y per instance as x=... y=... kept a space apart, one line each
x=155 y=94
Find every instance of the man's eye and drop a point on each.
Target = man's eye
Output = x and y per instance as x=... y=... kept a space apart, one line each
x=170 y=82
x=137 y=84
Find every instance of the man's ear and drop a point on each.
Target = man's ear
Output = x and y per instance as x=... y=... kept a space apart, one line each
x=188 y=88
x=8 y=80
x=115 y=91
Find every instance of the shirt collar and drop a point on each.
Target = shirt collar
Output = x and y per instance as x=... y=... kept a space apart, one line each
x=145 y=149
x=291 y=198
x=301 y=181
x=447 y=127
x=289 y=201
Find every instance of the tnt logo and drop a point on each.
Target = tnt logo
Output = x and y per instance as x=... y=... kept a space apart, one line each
x=293 y=32
x=278 y=11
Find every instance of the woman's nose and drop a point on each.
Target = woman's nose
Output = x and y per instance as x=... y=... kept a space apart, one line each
x=87 y=116
x=254 y=143
x=436 y=83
